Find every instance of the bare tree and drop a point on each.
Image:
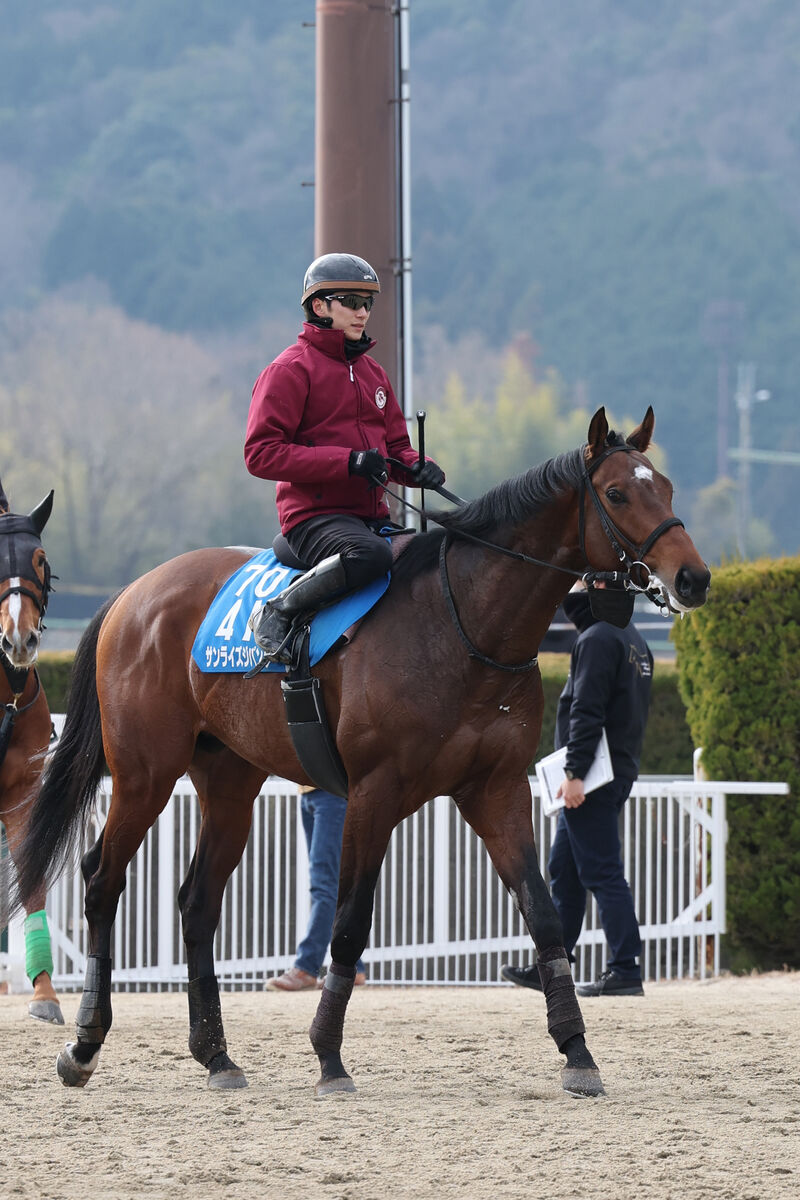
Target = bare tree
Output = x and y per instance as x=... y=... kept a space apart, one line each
x=131 y=425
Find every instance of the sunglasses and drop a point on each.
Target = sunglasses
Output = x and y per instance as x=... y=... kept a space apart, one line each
x=351 y=300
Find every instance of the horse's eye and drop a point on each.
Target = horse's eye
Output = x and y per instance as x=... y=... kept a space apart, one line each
x=615 y=496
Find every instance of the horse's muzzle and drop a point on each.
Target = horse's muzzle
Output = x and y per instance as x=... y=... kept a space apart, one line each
x=691 y=586
x=21 y=650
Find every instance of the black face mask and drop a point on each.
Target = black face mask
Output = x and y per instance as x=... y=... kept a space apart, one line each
x=611 y=604
x=19 y=541
x=577 y=609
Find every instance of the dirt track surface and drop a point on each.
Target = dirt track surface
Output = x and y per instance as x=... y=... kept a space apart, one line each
x=458 y=1096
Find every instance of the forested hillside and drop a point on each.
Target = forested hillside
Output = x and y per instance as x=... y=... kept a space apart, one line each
x=609 y=187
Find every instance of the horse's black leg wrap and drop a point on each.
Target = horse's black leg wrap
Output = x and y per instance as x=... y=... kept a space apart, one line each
x=564 y=1018
x=94 y=1014
x=328 y=1025
x=206 y=1035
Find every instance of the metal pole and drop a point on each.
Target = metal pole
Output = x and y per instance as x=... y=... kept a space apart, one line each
x=746 y=399
x=745 y=375
x=722 y=416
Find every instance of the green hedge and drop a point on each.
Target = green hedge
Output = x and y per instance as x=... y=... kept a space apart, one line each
x=738 y=660
x=54 y=672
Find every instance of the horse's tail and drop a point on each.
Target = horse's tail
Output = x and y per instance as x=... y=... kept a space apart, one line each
x=70 y=779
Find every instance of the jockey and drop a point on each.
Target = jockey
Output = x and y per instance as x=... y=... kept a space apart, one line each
x=323 y=421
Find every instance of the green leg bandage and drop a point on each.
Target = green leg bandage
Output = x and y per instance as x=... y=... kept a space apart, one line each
x=38 y=955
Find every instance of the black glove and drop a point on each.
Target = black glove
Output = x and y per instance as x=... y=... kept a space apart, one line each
x=428 y=475
x=368 y=463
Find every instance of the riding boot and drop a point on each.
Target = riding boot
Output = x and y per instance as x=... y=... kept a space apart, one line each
x=272 y=625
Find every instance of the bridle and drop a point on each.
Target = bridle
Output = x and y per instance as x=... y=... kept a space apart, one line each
x=621 y=544
x=630 y=554
x=13 y=565
x=11 y=526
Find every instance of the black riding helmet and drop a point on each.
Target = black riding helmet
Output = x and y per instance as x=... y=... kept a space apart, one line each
x=336 y=273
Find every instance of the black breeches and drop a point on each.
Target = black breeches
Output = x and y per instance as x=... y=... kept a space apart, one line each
x=365 y=554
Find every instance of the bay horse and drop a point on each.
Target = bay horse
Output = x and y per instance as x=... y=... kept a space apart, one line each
x=26 y=724
x=438 y=694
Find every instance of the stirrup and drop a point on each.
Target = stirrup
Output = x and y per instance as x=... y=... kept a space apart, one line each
x=283 y=653
x=269 y=628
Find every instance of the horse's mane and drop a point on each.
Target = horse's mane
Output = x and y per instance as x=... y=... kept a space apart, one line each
x=508 y=503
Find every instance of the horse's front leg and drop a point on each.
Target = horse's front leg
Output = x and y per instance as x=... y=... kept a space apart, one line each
x=503 y=820
x=361 y=864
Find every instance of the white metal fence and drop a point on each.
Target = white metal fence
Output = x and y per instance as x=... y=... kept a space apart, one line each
x=441 y=913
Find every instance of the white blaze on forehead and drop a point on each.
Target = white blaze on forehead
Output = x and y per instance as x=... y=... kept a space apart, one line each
x=14 y=606
x=643 y=473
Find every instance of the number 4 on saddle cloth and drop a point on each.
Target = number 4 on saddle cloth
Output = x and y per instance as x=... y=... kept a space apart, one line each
x=224 y=642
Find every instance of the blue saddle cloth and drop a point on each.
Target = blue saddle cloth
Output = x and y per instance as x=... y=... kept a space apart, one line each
x=224 y=644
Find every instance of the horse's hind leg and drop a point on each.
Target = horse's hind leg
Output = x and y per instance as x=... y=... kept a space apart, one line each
x=504 y=823
x=135 y=804
x=226 y=786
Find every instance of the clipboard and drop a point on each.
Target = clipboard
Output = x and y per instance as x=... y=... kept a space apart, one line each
x=550 y=773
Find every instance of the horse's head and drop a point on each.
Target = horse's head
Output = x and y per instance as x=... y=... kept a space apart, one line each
x=629 y=525
x=24 y=582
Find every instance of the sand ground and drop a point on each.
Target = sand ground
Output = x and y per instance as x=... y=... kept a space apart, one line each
x=458 y=1096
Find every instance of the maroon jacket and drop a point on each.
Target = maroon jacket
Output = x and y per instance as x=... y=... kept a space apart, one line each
x=310 y=408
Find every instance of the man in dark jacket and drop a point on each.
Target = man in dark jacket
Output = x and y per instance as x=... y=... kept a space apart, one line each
x=608 y=686
x=323 y=421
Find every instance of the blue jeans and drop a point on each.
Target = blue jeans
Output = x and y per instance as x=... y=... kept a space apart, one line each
x=323 y=816
x=586 y=856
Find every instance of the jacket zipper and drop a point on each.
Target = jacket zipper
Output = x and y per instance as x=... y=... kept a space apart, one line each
x=374 y=493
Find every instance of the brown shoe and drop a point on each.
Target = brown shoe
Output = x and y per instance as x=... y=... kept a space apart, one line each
x=361 y=978
x=293 y=980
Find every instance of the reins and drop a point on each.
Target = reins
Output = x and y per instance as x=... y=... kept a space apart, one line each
x=472 y=651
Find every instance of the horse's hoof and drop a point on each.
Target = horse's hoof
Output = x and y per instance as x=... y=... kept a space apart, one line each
x=231 y=1078
x=73 y=1073
x=582 y=1081
x=334 y=1087
x=46 y=1010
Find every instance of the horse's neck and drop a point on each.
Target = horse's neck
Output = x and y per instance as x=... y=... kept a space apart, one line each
x=507 y=604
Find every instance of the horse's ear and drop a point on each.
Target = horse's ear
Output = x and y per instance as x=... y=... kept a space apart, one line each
x=642 y=436
x=40 y=515
x=598 y=432
x=3 y=500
